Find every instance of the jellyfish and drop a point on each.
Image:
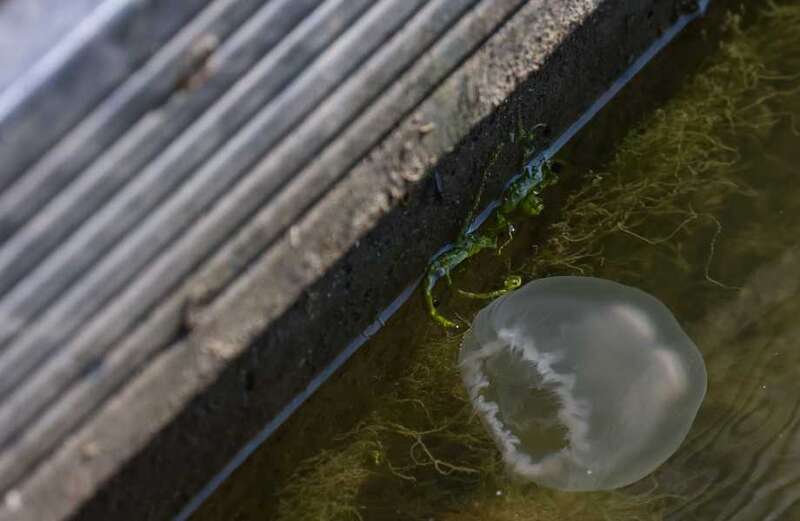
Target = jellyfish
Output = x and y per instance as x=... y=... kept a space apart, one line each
x=583 y=383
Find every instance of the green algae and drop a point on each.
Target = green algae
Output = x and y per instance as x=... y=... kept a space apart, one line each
x=404 y=449
x=523 y=195
x=680 y=166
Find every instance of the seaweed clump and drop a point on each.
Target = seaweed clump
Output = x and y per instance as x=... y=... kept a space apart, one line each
x=391 y=464
x=674 y=173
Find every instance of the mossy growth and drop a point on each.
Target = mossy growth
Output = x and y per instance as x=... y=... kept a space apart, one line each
x=393 y=462
x=675 y=171
x=421 y=453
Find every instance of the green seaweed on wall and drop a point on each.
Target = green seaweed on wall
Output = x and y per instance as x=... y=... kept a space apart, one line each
x=523 y=195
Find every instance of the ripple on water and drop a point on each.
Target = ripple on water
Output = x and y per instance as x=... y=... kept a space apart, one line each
x=742 y=461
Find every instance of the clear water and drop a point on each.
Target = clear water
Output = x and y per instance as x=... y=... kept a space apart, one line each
x=700 y=207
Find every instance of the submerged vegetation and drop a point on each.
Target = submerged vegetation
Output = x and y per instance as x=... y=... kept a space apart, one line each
x=655 y=209
x=675 y=172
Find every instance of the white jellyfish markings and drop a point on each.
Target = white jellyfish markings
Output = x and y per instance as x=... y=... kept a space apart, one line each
x=636 y=319
x=606 y=364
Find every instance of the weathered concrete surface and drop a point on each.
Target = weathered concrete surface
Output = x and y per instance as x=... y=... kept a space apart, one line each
x=311 y=269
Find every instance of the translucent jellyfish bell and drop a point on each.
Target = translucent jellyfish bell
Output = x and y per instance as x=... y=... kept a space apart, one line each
x=585 y=384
